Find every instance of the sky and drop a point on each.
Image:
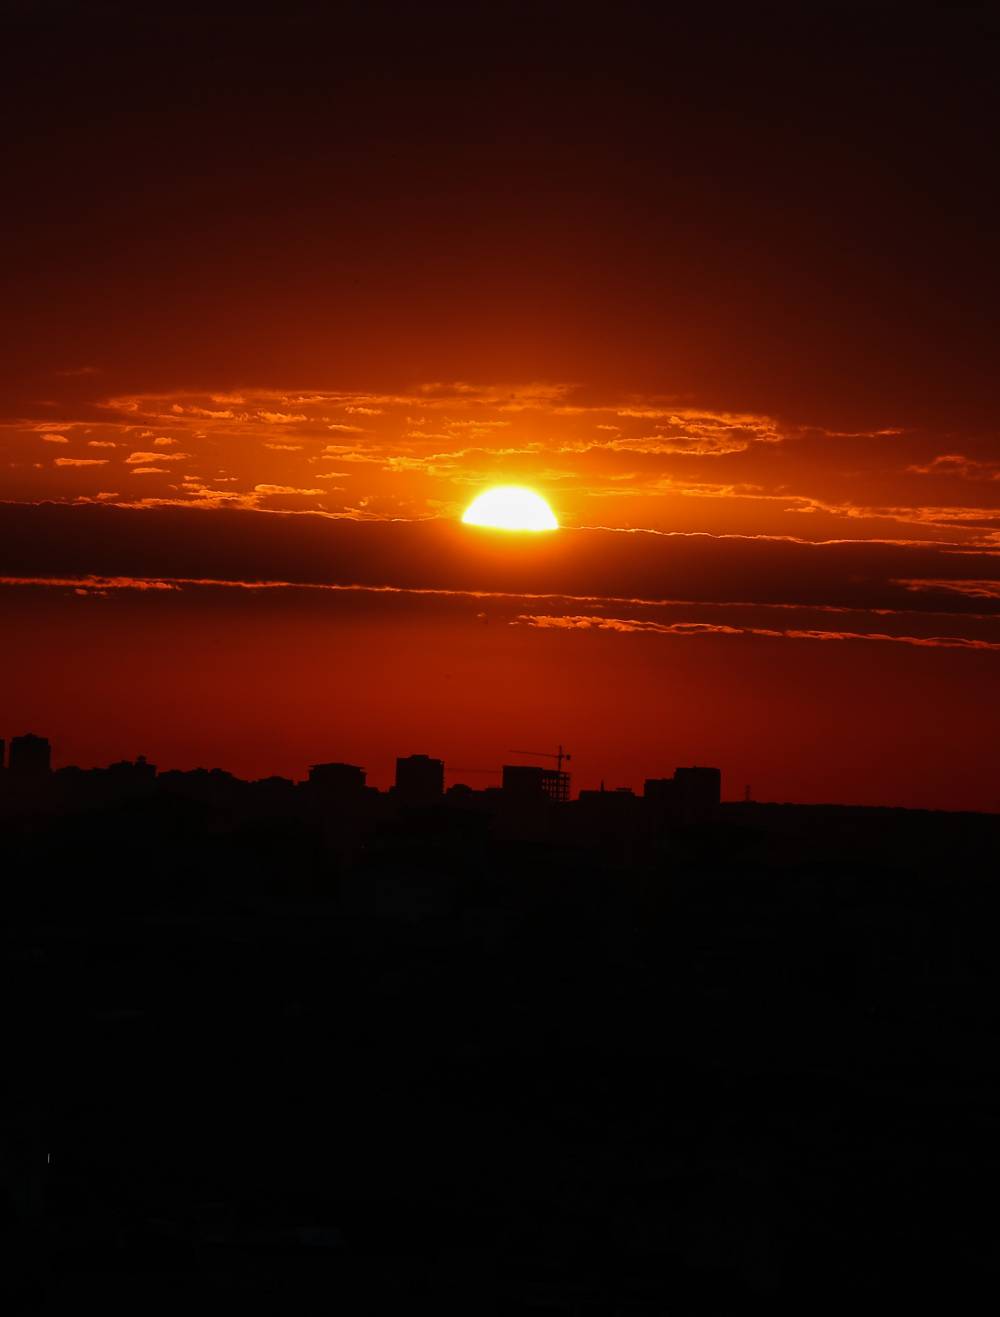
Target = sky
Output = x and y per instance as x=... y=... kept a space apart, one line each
x=284 y=292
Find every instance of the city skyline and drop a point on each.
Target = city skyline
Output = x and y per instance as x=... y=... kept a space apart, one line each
x=418 y=778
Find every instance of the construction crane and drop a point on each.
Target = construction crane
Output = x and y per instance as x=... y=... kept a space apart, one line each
x=543 y=754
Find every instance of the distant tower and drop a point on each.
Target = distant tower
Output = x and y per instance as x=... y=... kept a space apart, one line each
x=30 y=757
x=3 y=762
x=419 y=780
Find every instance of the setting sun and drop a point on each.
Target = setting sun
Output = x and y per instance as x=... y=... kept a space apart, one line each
x=510 y=507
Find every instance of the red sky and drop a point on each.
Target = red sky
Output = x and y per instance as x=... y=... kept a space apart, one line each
x=283 y=296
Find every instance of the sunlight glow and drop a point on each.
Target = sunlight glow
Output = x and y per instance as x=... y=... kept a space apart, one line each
x=510 y=507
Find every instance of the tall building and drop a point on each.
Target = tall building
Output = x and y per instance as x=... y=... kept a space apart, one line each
x=419 y=780
x=526 y=782
x=30 y=756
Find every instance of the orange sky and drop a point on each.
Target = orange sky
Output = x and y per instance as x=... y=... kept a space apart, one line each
x=275 y=317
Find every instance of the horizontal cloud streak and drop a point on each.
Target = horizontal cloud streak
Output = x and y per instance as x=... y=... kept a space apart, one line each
x=968 y=589
x=60 y=541
x=103 y=583
x=642 y=626
x=675 y=617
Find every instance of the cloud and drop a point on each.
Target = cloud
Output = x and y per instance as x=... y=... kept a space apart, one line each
x=346 y=429
x=83 y=584
x=54 y=439
x=286 y=489
x=968 y=589
x=955 y=464
x=81 y=461
x=149 y=471
x=163 y=442
x=663 y=445
x=345 y=453
x=724 y=431
x=643 y=626
x=135 y=459
x=284 y=448
x=512 y=606
x=282 y=418
x=598 y=622
x=206 y=412
x=100 y=443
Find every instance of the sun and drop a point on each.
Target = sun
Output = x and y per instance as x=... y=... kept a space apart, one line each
x=510 y=507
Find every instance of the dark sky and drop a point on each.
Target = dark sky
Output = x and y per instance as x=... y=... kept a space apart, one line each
x=284 y=288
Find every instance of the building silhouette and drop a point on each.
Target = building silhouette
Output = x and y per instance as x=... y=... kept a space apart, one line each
x=606 y=818
x=660 y=794
x=30 y=757
x=692 y=795
x=128 y=772
x=698 y=793
x=526 y=782
x=341 y=779
x=419 y=780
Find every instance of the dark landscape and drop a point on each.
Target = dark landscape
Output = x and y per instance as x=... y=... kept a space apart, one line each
x=299 y=1044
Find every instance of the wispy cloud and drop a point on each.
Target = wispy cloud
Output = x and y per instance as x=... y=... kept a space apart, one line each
x=625 y=625
x=968 y=589
x=138 y=459
x=955 y=464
